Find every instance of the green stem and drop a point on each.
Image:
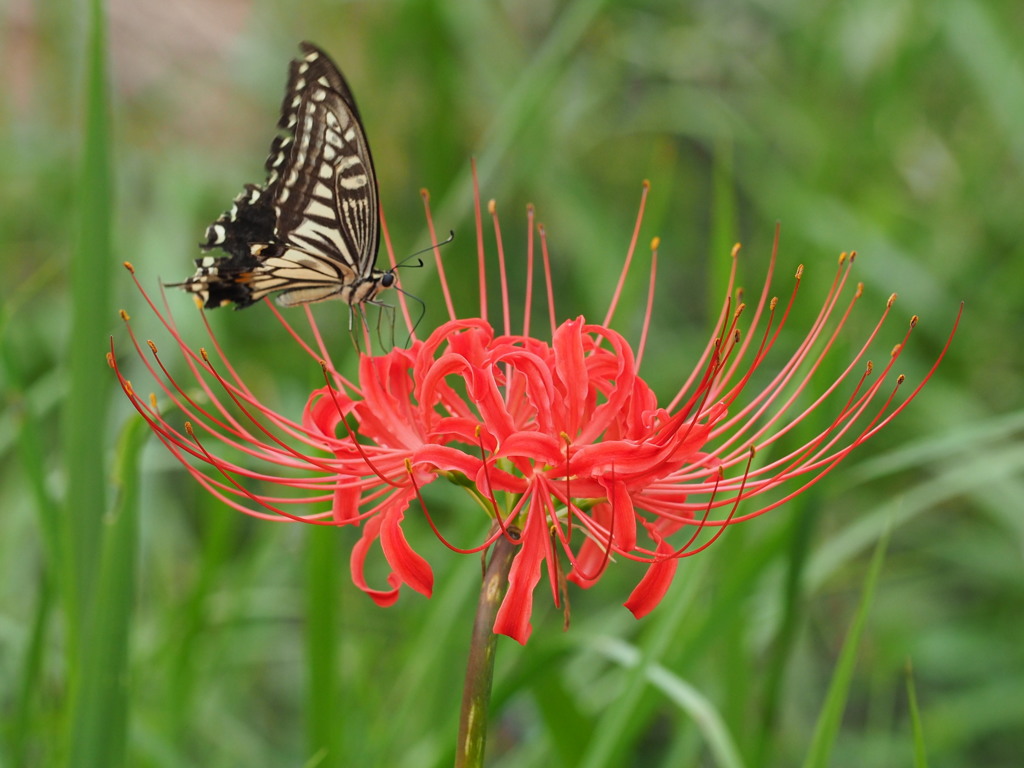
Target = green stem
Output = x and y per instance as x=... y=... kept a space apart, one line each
x=476 y=695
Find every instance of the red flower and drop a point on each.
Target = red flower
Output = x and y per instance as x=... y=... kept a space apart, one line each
x=561 y=443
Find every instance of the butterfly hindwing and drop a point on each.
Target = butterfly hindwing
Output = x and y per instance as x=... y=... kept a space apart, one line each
x=312 y=231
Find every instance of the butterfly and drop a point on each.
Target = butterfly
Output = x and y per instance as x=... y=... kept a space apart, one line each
x=311 y=231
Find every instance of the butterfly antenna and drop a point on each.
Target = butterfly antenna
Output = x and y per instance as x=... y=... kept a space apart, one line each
x=405 y=262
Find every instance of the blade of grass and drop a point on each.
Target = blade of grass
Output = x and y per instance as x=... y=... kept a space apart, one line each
x=96 y=595
x=17 y=729
x=802 y=526
x=26 y=427
x=88 y=377
x=323 y=715
x=618 y=723
x=100 y=713
x=920 y=751
x=570 y=729
x=683 y=695
x=186 y=626
x=827 y=727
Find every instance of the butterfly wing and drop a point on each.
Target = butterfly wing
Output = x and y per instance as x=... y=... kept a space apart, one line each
x=311 y=232
x=239 y=232
x=325 y=189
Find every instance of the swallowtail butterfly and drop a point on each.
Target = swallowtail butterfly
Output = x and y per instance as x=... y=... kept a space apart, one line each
x=311 y=231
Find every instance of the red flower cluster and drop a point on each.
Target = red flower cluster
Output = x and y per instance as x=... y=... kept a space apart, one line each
x=562 y=443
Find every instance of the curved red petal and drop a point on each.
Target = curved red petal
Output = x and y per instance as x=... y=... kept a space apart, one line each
x=410 y=567
x=652 y=587
x=357 y=564
x=513 y=617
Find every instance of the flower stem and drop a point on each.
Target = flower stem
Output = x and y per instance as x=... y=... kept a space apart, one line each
x=476 y=695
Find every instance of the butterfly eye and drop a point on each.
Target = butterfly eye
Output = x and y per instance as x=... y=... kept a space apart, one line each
x=387 y=279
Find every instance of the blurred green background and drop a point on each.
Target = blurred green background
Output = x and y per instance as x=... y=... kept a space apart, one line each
x=144 y=624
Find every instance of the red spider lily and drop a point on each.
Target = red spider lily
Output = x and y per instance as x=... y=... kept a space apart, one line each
x=560 y=443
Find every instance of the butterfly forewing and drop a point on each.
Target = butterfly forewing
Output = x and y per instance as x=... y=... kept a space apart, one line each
x=312 y=231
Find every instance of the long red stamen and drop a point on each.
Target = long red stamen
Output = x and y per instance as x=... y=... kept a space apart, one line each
x=715 y=338
x=528 y=301
x=549 y=285
x=481 y=261
x=438 y=263
x=629 y=255
x=651 y=283
x=492 y=209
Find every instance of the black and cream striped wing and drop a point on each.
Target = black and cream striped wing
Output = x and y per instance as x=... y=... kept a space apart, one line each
x=323 y=187
x=311 y=232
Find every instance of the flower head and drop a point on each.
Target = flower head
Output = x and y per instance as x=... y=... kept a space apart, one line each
x=561 y=444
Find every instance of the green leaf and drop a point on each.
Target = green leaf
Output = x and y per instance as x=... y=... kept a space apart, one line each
x=831 y=716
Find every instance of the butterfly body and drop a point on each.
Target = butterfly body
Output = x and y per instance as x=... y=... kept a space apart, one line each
x=311 y=231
